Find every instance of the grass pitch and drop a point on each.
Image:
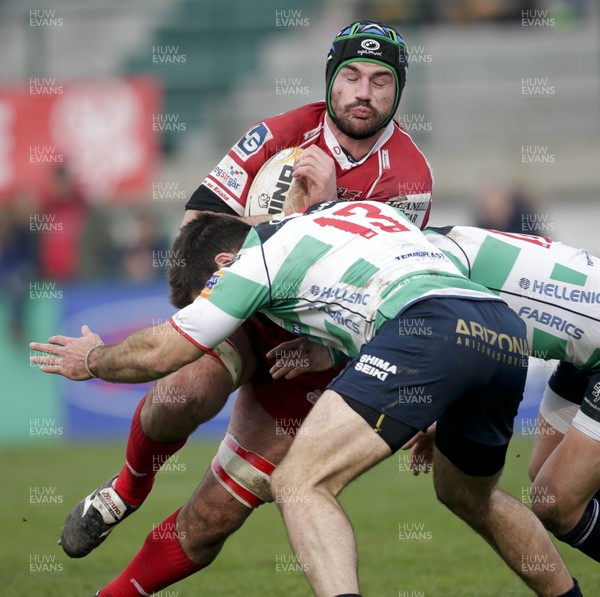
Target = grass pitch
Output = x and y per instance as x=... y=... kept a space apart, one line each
x=409 y=544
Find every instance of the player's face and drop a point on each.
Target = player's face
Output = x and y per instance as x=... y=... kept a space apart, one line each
x=362 y=96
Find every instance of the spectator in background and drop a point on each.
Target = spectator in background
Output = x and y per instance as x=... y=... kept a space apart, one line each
x=18 y=261
x=505 y=208
x=145 y=253
x=98 y=257
x=60 y=241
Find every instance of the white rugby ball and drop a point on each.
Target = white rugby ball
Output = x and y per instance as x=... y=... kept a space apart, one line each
x=271 y=185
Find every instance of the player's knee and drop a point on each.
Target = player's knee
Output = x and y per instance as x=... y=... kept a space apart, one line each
x=546 y=513
x=171 y=405
x=166 y=421
x=288 y=486
x=169 y=401
x=297 y=485
x=283 y=476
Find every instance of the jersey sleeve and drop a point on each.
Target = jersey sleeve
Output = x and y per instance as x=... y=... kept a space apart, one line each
x=230 y=180
x=230 y=296
x=203 y=199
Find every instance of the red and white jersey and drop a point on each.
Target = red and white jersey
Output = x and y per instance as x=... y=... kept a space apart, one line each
x=394 y=171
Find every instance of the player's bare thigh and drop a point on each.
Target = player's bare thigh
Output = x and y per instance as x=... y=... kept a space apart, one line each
x=255 y=429
x=545 y=442
x=560 y=403
x=194 y=394
x=567 y=482
x=333 y=445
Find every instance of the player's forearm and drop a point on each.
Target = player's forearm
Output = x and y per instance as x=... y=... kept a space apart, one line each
x=117 y=364
x=254 y=220
x=143 y=356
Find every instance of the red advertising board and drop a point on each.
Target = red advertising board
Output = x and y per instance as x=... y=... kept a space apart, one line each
x=100 y=130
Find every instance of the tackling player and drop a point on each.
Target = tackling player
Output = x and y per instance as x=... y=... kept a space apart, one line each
x=353 y=149
x=555 y=289
x=382 y=275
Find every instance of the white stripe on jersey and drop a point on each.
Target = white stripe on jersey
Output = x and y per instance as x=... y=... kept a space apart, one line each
x=401 y=130
x=379 y=174
x=195 y=327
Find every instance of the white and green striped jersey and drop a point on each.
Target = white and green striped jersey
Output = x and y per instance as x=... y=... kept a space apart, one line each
x=334 y=274
x=554 y=288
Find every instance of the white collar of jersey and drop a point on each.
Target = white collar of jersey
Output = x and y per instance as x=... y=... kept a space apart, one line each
x=340 y=156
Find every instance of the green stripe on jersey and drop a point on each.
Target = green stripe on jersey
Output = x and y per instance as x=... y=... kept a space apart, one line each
x=252 y=240
x=593 y=361
x=344 y=337
x=457 y=262
x=561 y=273
x=241 y=296
x=548 y=346
x=494 y=263
x=359 y=273
x=307 y=252
x=286 y=283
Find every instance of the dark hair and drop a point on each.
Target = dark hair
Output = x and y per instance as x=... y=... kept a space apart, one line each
x=194 y=251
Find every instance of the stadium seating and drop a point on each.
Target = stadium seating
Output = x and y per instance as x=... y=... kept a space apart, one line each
x=218 y=49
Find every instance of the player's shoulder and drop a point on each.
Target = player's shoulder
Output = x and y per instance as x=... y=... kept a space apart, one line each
x=473 y=235
x=402 y=144
x=314 y=111
x=265 y=230
x=299 y=123
x=400 y=136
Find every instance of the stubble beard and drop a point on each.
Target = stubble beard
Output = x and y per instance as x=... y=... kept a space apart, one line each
x=358 y=126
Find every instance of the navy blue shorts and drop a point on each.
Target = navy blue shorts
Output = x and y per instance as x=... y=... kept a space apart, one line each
x=569 y=382
x=590 y=405
x=459 y=362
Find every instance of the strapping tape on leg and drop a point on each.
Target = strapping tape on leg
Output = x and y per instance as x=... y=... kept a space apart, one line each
x=557 y=411
x=587 y=425
x=244 y=474
x=227 y=354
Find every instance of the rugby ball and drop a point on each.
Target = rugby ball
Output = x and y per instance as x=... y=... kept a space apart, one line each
x=271 y=185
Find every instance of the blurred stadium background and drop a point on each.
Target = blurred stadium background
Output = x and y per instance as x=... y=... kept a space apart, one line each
x=112 y=113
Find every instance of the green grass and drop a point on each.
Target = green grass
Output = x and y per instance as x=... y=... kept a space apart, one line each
x=452 y=562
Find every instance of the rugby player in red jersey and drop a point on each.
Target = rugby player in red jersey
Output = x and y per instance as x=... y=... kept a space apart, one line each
x=354 y=150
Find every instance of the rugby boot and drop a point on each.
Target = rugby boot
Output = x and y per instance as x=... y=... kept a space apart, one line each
x=92 y=519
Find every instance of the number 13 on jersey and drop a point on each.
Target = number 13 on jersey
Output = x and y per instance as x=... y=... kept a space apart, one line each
x=378 y=221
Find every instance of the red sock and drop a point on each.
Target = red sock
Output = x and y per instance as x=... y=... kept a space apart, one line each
x=144 y=457
x=160 y=563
